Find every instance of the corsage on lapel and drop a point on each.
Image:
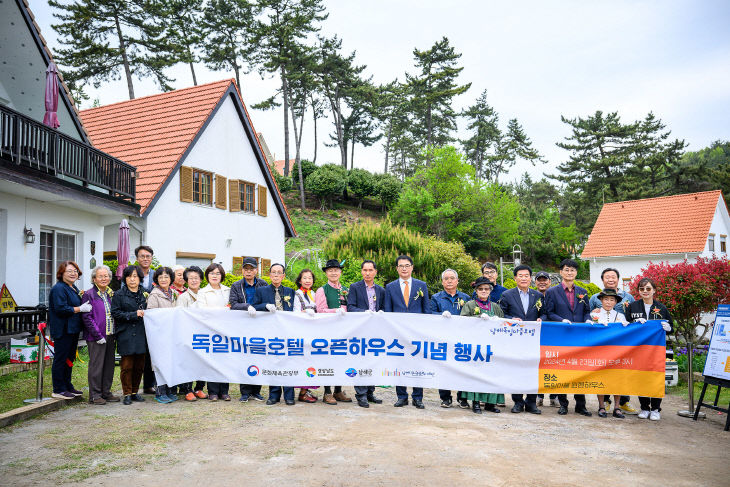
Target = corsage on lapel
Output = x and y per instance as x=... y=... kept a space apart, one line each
x=538 y=304
x=287 y=299
x=419 y=294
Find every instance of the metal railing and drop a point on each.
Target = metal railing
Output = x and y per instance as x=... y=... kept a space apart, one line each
x=23 y=320
x=31 y=144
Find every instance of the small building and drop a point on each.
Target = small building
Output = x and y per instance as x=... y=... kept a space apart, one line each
x=630 y=234
x=57 y=191
x=204 y=187
x=279 y=166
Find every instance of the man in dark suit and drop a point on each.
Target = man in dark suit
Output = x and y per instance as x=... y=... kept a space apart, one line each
x=242 y=294
x=568 y=303
x=522 y=304
x=273 y=298
x=406 y=295
x=448 y=303
x=366 y=296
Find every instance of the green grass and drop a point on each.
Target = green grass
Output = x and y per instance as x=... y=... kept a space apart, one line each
x=682 y=390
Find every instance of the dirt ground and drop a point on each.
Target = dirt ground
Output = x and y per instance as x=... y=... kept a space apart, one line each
x=316 y=444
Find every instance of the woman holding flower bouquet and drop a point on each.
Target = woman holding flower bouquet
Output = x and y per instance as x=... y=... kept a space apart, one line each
x=304 y=303
x=332 y=298
x=641 y=311
x=483 y=308
x=163 y=296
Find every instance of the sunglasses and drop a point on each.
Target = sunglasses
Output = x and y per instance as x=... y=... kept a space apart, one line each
x=646 y=289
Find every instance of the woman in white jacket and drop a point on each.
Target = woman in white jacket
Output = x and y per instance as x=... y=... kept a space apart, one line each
x=215 y=295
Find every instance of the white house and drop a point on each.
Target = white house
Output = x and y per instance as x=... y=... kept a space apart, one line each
x=630 y=234
x=57 y=192
x=204 y=187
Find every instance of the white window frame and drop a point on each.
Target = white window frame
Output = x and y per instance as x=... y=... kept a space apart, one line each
x=55 y=261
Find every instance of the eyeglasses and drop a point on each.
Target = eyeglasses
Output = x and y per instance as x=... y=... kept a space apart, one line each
x=72 y=270
x=404 y=266
x=489 y=271
x=214 y=273
x=276 y=273
x=646 y=289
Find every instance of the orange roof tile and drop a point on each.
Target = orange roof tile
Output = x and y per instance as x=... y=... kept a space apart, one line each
x=153 y=132
x=279 y=166
x=666 y=225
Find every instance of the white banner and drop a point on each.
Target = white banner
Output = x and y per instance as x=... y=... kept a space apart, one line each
x=294 y=349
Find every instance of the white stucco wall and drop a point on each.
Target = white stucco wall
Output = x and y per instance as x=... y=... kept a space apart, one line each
x=19 y=261
x=720 y=225
x=173 y=226
x=629 y=267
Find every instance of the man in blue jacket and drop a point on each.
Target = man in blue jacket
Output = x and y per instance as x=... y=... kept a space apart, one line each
x=568 y=303
x=366 y=296
x=522 y=304
x=406 y=295
x=447 y=303
x=273 y=298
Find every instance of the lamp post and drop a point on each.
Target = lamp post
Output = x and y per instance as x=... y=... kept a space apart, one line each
x=516 y=260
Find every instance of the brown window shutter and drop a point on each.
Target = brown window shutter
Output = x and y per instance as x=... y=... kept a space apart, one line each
x=237 y=267
x=262 y=200
x=186 y=184
x=234 y=195
x=265 y=264
x=220 y=191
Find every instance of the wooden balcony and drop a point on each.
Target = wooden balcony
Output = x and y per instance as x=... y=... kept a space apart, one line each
x=26 y=144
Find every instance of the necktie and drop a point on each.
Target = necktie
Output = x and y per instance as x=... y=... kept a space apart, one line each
x=406 y=292
x=277 y=300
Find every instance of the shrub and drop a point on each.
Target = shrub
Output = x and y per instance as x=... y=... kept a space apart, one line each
x=308 y=167
x=326 y=182
x=284 y=183
x=382 y=242
x=510 y=283
x=590 y=287
x=4 y=356
x=388 y=189
x=362 y=184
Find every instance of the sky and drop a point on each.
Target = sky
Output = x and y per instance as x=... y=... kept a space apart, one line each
x=537 y=60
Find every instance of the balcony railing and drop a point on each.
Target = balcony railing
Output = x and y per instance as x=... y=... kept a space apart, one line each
x=31 y=144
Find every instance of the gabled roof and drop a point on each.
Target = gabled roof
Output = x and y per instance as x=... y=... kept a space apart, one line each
x=155 y=133
x=65 y=94
x=666 y=225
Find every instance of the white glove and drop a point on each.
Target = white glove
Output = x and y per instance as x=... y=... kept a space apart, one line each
x=251 y=311
x=101 y=342
x=625 y=323
x=665 y=325
x=380 y=312
x=566 y=321
x=340 y=312
x=446 y=314
x=641 y=320
x=309 y=311
x=485 y=316
x=271 y=308
x=85 y=308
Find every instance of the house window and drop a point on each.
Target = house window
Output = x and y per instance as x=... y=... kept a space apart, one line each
x=55 y=247
x=246 y=191
x=626 y=281
x=723 y=244
x=711 y=243
x=201 y=187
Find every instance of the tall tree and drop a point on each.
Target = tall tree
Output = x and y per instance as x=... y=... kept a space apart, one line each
x=182 y=23
x=285 y=24
x=228 y=27
x=339 y=78
x=388 y=98
x=485 y=135
x=434 y=88
x=513 y=144
x=106 y=38
x=318 y=107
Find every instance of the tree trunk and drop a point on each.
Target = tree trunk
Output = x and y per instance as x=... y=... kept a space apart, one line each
x=285 y=91
x=125 y=60
x=314 y=119
x=238 y=76
x=387 y=146
x=192 y=70
x=352 y=155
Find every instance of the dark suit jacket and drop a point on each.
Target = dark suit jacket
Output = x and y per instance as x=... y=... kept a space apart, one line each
x=636 y=310
x=61 y=317
x=237 y=296
x=357 y=298
x=394 y=298
x=512 y=305
x=265 y=295
x=557 y=307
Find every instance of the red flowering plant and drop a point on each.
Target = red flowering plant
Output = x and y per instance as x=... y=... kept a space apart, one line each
x=688 y=290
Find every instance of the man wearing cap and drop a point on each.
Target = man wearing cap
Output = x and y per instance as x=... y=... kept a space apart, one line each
x=523 y=304
x=241 y=295
x=366 y=296
x=568 y=303
x=542 y=283
x=407 y=295
x=610 y=278
x=447 y=303
x=274 y=298
x=332 y=298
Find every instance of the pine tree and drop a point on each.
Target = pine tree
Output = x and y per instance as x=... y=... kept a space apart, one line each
x=182 y=23
x=228 y=27
x=486 y=136
x=106 y=38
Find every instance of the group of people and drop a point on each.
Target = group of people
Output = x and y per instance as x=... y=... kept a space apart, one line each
x=114 y=322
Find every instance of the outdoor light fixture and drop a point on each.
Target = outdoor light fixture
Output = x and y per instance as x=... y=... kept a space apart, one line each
x=29 y=235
